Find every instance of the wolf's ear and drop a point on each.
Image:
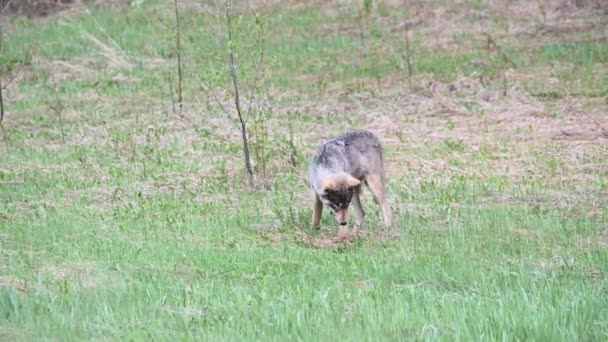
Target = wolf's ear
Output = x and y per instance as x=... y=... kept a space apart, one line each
x=329 y=184
x=352 y=182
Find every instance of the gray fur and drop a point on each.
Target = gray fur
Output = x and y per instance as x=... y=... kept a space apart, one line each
x=358 y=154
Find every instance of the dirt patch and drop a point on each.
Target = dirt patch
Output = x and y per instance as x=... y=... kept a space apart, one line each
x=12 y=283
x=85 y=274
x=345 y=237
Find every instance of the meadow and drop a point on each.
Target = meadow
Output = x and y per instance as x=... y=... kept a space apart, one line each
x=127 y=215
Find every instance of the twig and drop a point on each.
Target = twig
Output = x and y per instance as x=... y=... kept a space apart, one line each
x=258 y=66
x=170 y=81
x=58 y=109
x=4 y=133
x=506 y=61
x=492 y=45
x=218 y=102
x=361 y=32
x=12 y=78
x=237 y=103
x=408 y=54
x=543 y=11
x=179 y=56
x=1 y=103
x=4 y=9
x=504 y=82
x=232 y=65
x=207 y=88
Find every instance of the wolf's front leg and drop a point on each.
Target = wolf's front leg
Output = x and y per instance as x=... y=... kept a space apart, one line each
x=359 y=213
x=316 y=212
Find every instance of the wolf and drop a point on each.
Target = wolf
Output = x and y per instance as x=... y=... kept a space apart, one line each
x=339 y=166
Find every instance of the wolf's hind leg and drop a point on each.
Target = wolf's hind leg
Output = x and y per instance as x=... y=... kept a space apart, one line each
x=375 y=182
x=316 y=212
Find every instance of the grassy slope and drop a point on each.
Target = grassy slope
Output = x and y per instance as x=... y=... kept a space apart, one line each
x=135 y=228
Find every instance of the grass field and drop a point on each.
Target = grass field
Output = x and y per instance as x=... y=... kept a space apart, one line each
x=124 y=217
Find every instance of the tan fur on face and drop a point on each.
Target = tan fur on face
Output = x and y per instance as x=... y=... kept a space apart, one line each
x=339 y=182
x=341 y=215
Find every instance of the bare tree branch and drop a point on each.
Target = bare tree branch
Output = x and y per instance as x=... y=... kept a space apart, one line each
x=1 y=33
x=1 y=103
x=408 y=56
x=4 y=9
x=170 y=82
x=232 y=65
x=506 y=61
x=258 y=67
x=11 y=79
x=492 y=45
x=218 y=102
x=179 y=56
x=207 y=88
x=237 y=103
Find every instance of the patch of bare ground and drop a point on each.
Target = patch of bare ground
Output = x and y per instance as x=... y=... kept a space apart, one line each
x=10 y=282
x=345 y=237
x=85 y=274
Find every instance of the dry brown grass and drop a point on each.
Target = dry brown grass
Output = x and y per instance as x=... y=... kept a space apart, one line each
x=529 y=23
x=519 y=131
x=43 y=8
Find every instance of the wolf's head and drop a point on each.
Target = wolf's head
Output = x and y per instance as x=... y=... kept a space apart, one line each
x=336 y=193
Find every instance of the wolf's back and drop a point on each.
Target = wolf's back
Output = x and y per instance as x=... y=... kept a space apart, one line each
x=355 y=152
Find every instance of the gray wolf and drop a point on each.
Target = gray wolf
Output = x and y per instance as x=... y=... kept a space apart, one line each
x=339 y=167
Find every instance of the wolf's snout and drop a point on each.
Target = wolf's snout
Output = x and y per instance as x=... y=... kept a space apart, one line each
x=341 y=217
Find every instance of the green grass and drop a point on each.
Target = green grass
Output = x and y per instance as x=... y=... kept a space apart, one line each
x=169 y=267
x=140 y=224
